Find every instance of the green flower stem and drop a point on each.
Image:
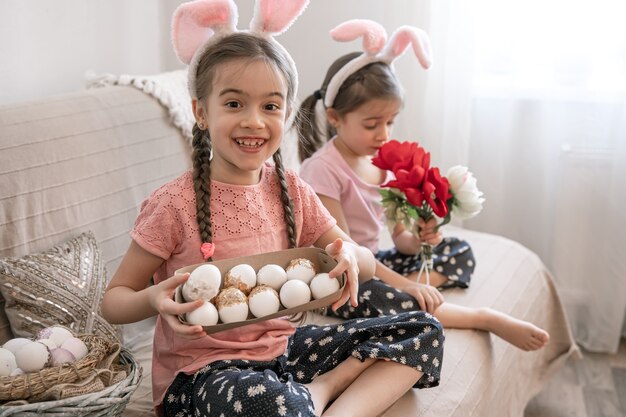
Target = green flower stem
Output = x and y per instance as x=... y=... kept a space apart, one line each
x=399 y=210
x=427 y=262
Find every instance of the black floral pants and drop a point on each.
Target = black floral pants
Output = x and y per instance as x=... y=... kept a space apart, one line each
x=275 y=388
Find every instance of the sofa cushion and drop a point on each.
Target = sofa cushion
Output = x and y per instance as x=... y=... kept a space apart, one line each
x=63 y=285
x=81 y=161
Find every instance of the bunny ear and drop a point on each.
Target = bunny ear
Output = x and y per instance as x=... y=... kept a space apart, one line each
x=196 y=21
x=273 y=17
x=401 y=39
x=374 y=35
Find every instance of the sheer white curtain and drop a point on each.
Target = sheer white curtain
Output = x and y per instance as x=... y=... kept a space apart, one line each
x=531 y=96
x=541 y=121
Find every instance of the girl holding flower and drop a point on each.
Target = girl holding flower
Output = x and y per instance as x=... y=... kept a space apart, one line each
x=362 y=97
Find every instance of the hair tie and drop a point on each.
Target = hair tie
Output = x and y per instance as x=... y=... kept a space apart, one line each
x=207 y=249
x=317 y=94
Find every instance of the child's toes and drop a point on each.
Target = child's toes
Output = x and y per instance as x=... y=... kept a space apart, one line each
x=541 y=336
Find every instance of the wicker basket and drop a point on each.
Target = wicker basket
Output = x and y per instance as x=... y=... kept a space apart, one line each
x=22 y=387
x=110 y=401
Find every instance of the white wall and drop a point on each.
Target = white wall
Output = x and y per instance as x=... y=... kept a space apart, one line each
x=47 y=46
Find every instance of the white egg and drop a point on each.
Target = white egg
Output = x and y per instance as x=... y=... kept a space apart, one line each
x=232 y=305
x=48 y=342
x=55 y=333
x=271 y=275
x=76 y=346
x=17 y=372
x=323 y=285
x=203 y=283
x=301 y=269
x=294 y=293
x=263 y=301
x=59 y=356
x=32 y=357
x=241 y=276
x=14 y=344
x=205 y=315
x=7 y=362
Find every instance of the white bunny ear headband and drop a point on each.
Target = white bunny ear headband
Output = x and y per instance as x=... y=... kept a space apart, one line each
x=376 y=49
x=198 y=24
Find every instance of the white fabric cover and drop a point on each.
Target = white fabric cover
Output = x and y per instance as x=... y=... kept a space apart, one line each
x=85 y=161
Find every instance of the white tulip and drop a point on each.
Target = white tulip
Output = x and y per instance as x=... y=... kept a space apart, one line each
x=468 y=199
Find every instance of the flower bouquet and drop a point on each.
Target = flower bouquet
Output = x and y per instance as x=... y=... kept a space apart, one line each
x=420 y=191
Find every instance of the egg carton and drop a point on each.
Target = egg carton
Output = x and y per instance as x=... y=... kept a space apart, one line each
x=322 y=260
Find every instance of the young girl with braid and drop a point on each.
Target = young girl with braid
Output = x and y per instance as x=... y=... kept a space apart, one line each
x=362 y=97
x=233 y=203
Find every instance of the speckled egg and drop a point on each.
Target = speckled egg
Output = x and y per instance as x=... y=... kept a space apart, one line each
x=263 y=301
x=55 y=333
x=294 y=293
x=203 y=283
x=205 y=315
x=271 y=275
x=232 y=305
x=242 y=276
x=301 y=269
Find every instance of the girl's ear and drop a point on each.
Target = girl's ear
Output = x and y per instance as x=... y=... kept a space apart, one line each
x=288 y=112
x=333 y=117
x=199 y=111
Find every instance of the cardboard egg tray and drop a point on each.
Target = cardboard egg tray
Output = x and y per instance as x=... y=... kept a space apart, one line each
x=319 y=257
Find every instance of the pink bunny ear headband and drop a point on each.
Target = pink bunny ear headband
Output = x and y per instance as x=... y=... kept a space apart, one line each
x=198 y=24
x=376 y=49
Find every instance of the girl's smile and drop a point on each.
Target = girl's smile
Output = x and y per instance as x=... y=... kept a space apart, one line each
x=250 y=144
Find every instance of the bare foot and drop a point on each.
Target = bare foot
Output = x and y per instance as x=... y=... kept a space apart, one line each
x=520 y=333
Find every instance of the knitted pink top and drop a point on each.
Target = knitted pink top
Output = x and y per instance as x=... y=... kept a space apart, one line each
x=247 y=220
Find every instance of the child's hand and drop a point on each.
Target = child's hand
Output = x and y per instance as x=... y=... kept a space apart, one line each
x=428 y=233
x=347 y=262
x=428 y=297
x=162 y=300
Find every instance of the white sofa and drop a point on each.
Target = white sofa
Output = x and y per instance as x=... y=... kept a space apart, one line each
x=86 y=160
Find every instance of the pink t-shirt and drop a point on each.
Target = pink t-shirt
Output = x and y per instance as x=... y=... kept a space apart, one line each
x=330 y=175
x=247 y=220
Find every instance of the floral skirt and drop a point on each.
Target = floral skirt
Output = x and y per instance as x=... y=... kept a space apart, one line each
x=453 y=258
x=275 y=388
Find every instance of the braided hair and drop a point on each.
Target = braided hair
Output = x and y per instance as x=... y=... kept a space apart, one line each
x=201 y=157
x=235 y=46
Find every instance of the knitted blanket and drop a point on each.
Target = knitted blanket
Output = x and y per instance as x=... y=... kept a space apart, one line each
x=169 y=88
